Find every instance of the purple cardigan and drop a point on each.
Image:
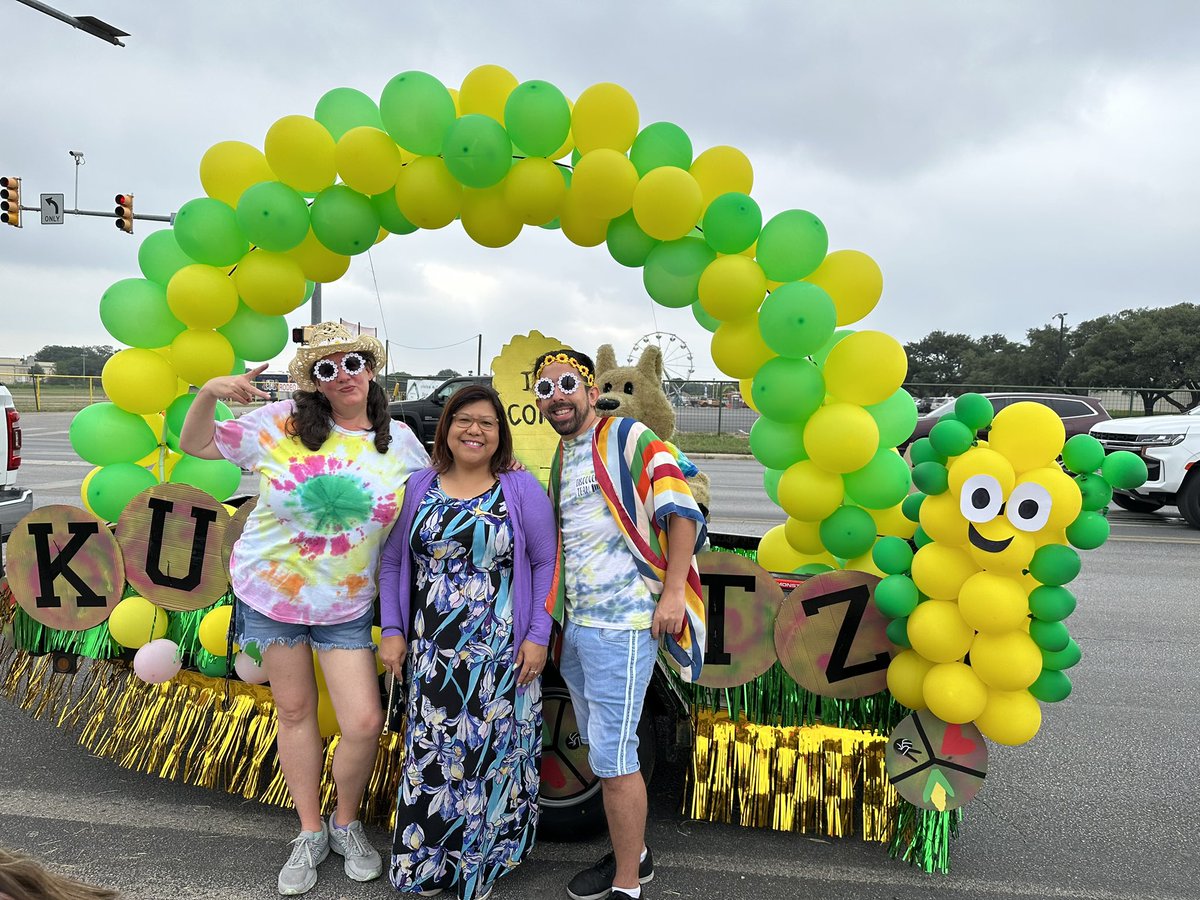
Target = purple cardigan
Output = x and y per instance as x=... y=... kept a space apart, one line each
x=535 y=556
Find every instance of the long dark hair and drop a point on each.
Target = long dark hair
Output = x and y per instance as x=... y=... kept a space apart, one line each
x=442 y=458
x=312 y=419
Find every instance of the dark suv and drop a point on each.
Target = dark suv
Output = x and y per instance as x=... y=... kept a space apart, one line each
x=1077 y=413
x=422 y=415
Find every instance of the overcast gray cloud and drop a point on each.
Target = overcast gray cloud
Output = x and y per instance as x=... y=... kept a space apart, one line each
x=1002 y=161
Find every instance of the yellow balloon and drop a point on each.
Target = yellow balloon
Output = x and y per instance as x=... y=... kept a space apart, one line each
x=301 y=153
x=228 y=168
x=841 y=437
x=906 y=678
x=732 y=287
x=1028 y=434
x=937 y=631
x=939 y=571
x=580 y=227
x=1010 y=717
x=136 y=621
x=202 y=296
x=270 y=283
x=605 y=115
x=720 y=170
x=428 y=195
x=738 y=348
x=376 y=638
x=852 y=280
x=954 y=693
x=865 y=367
x=775 y=554
x=214 y=630
x=485 y=90
x=804 y=536
x=942 y=519
x=326 y=718
x=667 y=203
x=368 y=160
x=745 y=386
x=980 y=461
x=487 y=218
x=317 y=262
x=139 y=381
x=892 y=522
x=201 y=355
x=534 y=190
x=864 y=563
x=810 y=493
x=568 y=145
x=993 y=603
x=1008 y=662
x=603 y=183
x=1065 y=501
x=83 y=489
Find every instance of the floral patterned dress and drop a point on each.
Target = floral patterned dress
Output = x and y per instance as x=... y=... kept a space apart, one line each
x=468 y=804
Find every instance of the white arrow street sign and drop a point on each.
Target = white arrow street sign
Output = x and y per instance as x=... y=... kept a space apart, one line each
x=52 y=209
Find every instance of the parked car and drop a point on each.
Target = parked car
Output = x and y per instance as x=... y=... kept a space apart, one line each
x=1170 y=446
x=422 y=415
x=1078 y=413
x=15 y=502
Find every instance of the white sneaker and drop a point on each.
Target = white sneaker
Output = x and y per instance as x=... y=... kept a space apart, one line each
x=362 y=861
x=309 y=850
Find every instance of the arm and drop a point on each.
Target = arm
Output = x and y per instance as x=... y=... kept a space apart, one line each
x=541 y=547
x=196 y=435
x=681 y=545
x=395 y=588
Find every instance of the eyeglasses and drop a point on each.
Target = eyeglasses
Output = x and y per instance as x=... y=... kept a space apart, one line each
x=462 y=420
x=567 y=383
x=327 y=370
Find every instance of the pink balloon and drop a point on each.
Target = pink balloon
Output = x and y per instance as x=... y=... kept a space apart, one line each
x=157 y=661
x=248 y=670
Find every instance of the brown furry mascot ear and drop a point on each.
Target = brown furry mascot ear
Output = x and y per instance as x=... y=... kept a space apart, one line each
x=606 y=359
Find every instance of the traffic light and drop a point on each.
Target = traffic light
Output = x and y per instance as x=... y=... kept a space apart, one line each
x=124 y=212
x=10 y=201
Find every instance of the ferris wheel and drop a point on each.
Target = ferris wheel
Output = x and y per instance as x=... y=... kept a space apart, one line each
x=678 y=365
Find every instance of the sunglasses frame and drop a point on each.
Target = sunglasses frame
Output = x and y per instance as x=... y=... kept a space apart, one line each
x=362 y=367
x=556 y=382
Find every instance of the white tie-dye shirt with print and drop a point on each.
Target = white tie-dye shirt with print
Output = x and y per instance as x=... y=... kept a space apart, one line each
x=310 y=551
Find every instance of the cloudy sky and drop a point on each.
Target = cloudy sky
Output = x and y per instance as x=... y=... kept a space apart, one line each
x=1001 y=161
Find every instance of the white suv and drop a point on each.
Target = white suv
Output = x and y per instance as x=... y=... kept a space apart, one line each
x=15 y=502
x=1170 y=445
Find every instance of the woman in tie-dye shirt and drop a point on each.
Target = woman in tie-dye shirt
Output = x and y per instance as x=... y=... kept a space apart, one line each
x=332 y=468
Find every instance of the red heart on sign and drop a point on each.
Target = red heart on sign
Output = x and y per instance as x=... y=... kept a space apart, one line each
x=955 y=743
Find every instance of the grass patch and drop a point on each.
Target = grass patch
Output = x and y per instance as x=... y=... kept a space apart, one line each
x=693 y=442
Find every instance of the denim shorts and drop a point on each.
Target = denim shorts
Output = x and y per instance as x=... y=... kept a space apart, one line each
x=607 y=671
x=254 y=628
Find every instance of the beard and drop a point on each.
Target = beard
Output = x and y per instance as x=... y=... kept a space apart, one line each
x=571 y=425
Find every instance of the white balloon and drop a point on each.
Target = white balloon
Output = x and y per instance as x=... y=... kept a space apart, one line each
x=248 y=670
x=157 y=661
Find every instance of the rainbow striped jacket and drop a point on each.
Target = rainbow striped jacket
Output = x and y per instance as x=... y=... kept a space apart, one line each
x=643 y=487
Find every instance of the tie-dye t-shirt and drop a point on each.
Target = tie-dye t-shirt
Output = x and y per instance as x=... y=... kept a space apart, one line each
x=603 y=586
x=310 y=551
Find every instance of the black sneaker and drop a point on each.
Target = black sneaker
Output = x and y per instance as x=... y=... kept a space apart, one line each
x=596 y=883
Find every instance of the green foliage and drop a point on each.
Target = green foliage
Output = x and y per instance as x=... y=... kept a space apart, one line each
x=75 y=360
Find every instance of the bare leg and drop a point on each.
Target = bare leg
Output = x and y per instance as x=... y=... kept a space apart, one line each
x=294 y=688
x=354 y=690
x=625 y=809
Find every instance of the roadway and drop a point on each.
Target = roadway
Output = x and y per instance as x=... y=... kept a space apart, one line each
x=1101 y=805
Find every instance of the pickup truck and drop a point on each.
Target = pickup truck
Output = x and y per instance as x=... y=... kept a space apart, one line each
x=422 y=415
x=15 y=502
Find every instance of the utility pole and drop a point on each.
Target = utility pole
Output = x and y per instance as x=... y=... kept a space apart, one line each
x=1062 y=325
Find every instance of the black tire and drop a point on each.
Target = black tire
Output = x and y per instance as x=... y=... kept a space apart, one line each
x=1188 y=500
x=1137 y=504
x=572 y=807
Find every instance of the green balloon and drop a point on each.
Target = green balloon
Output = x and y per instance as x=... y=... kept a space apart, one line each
x=389 y=214
x=477 y=151
x=771 y=483
x=951 y=437
x=309 y=288
x=135 y=312
x=104 y=434
x=708 y=322
x=813 y=569
x=416 y=110
x=896 y=417
x=344 y=220
x=797 y=319
x=212 y=666
x=673 y=269
x=792 y=245
x=849 y=532
x=159 y=256
x=732 y=222
x=344 y=108
x=821 y=355
x=1082 y=454
x=931 y=478
x=112 y=487
x=896 y=596
x=252 y=651
x=777 y=445
x=1088 y=531
x=1051 y=603
x=974 y=410
x=254 y=336
x=897 y=632
x=273 y=216
x=892 y=555
x=177 y=411
x=788 y=390
x=1054 y=564
x=881 y=483
x=911 y=506
x=1062 y=659
x=661 y=144
x=921 y=537
x=1051 y=686
x=1124 y=470
x=207 y=230
x=538 y=117
x=216 y=477
x=627 y=243
x=1052 y=636
x=1097 y=493
x=922 y=450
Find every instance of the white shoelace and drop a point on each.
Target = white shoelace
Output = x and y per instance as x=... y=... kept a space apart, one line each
x=354 y=843
x=302 y=846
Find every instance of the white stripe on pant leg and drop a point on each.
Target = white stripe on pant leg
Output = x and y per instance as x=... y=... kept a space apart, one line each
x=630 y=673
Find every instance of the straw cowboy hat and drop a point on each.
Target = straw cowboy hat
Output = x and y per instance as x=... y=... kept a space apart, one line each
x=326 y=339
